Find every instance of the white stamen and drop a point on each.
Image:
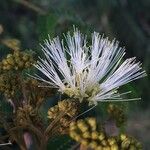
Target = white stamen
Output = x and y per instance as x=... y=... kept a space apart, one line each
x=92 y=72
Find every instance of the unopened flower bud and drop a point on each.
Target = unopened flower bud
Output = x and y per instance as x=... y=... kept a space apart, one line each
x=94 y=135
x=92 y=123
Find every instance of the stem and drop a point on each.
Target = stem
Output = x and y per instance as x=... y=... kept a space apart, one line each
x=50 y=127
x=4 y=147
x=37 y=132
x=31 y=6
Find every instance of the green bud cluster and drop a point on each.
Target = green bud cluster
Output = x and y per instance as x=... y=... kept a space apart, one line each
x=117 y=114
x=86 y=132
x=16 y=61
x=9 y=84
x=70 y=110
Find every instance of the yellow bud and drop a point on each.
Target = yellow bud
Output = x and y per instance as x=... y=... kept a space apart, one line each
x=123 y=137
x=73 y=134
x=82 y=126
x=101 y=136
x=65 y=121
x=72 y=126
x=4 y=61
x=99 y=148
x=50 y=115
x=63 y=105
x=73 y=123
x=86 y=134
x=84 y=142
x=9 y=56
x=94 y=135
x=72 y=112
x=125 y=143
x=92 y=123
x=77 y=138
x=104 y=142
x=54 y=109
x=111 y=141
x=114 y=147
x=93 y=144
x=10 y=61
x=106 y=148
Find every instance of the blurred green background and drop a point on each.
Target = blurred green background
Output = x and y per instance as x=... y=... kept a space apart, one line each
x=30 y=21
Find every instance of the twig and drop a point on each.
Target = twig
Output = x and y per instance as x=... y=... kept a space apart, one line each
x=53 y=123
x=30 y=127
x=31 y=6
x=4 y=144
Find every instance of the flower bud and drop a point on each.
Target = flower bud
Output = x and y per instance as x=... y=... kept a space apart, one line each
x=87 y=134
x=123 y=137
x=125 y=143
x=93 y=144
x=94 y=135
x=92 y=123
x=101 y=136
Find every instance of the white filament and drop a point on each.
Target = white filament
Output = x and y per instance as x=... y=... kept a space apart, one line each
x=81 y=68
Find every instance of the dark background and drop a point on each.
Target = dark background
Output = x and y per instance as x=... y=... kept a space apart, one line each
x=30 y=21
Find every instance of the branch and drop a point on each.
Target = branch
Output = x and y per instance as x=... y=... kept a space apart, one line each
x=31 y=6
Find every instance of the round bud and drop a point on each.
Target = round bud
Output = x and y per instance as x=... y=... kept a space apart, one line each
x=94 y=135
x=82 y=126
x=101 y=136
x=114 y=147
x=111 y=141
x=86 y=134
x=123 y=137
x=99 y=147
x=104 y=142
x=125 y=143
x=93 y=144
x=84 y=142
x=106 y=148
x=92 y=123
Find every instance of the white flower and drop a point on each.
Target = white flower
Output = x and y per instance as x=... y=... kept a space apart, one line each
x=93 y=73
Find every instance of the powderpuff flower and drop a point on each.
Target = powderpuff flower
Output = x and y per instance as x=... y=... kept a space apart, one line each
x=87 y=70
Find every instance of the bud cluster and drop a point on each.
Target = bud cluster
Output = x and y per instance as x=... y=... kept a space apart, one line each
x=27 y=114
x=9 y=84
x=86 y=132
x=16 y=61
x=117 y=114
x=70 y=110
x=127 y=142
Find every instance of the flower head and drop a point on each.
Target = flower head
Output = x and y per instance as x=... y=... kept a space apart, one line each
x=92 y=72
